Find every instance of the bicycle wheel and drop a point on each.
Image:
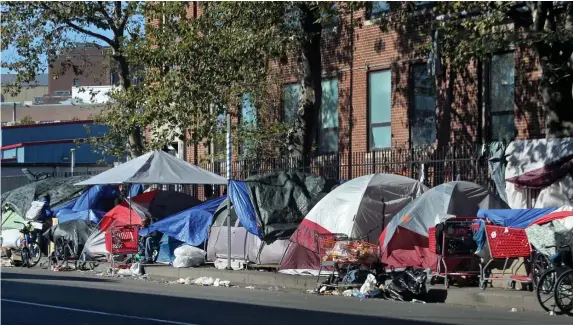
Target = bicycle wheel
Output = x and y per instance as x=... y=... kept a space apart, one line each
x=545 y=290
x=564 y=292
x=540 y=265
x=35 y=254
x=25 y=256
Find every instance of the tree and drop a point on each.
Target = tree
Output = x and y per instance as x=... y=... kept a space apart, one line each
x=473 y=30
x=26 y=120
x=280 y=31
x=41 y=30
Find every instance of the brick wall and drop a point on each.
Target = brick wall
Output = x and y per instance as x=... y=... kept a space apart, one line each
x=352 y=55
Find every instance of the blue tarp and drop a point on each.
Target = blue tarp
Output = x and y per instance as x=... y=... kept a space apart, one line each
x=97 y=197
x=67 y=206
x=91 y=215
x=190 y=226
x=136 y=189
x=244 y=207
x=167 y=246
x=514 y=218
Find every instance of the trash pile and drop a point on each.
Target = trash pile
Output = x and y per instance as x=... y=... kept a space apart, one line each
x=204 y=281
x=406 y=285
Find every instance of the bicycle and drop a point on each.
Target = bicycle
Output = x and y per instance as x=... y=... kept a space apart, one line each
x=557 y=283
x=30 y=251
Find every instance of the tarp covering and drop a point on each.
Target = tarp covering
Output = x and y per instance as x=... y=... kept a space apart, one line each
x=514 y=218
x=60 y=189
x=95 y=244
x=359 y=208
x=167 y=246
x=190 y=226
x=78 y=231
x=90 y=215
x=539 y=164
x=156 y=167
x=281 y=200
x=243 y=206
x=404 y=242
x=91 y=205
x=136 y=189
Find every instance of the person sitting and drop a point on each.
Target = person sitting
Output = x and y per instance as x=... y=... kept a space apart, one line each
x=148 y=243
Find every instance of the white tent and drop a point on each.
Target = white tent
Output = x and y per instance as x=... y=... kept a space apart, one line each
x=156 y=167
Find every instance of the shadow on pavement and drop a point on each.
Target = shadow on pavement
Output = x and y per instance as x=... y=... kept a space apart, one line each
x=30 y=276
x=182 y=309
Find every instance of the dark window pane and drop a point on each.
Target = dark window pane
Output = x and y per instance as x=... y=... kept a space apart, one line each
x=291 y=97
x=378 y=8
x=423 y=122
x=503 y=127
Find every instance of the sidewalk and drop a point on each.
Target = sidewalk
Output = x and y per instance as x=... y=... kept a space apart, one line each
x=469 y=296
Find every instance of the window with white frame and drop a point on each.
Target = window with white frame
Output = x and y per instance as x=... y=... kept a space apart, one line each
x=380 y=109
x=423 y=113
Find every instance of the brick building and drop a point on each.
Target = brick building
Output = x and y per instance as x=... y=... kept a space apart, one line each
x=85 y=65
x=379 y=96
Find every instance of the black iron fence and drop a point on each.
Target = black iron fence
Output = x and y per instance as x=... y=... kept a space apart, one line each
x=429 y=165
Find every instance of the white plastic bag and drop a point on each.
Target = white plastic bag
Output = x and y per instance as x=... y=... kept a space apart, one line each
x=10 y=238
x=187 y=250
x=187 y=261
x=35 y=210
x=369 y=284
x=135 y=269
x=204 y=281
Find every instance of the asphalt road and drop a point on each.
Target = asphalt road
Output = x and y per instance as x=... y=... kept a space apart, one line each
x=33 y=296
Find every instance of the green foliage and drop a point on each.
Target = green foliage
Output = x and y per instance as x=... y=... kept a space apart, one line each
x=26 y=120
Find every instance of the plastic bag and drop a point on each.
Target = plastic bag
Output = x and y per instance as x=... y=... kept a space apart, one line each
x=10 y=238
x=369 y=284
x=135 y=269
x=35 y=210
x=188 y=261
x=187 y=250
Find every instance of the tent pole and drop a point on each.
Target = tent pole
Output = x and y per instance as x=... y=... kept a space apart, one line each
x=228 y=197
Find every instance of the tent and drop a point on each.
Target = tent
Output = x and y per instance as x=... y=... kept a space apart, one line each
x=404 y=242
x=540 y=164
x=91 y=205
x=359 y=208
x=77 y=231
x=245 y=246
x=10 y=219
x=190 y=226
x=272 y=205
x=167 y=246
x=60 y=189
x=156 y=167
x=156 y=204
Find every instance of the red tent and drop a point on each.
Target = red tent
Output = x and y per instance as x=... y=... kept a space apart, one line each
x=122 y=215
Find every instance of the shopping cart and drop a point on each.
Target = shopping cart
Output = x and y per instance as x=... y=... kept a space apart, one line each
x=505 y=243
x=338 y=250
x=454 y=243
x=122 y=241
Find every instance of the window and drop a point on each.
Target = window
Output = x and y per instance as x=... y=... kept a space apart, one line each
x=47 y=121
x=424 y=4
x=76 y=82
x=423 y=117
x=291 y=100
x=62 y=92
x=501 y=97
x=330 y=18
x=380 y=109
x=248 y=119
x=38 y=100
x=328 y=122
x=376 y=9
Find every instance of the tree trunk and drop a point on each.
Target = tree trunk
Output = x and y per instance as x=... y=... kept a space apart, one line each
x=134 y=138
x=304 y=132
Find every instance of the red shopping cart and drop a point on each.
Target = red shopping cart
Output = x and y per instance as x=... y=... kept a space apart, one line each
x=505 y=243
x=122 y=241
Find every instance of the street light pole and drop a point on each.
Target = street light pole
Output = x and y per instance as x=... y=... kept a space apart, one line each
x=73 y=161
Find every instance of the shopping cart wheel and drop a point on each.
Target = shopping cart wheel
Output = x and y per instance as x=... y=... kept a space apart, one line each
x=447 y=282
x=433 y=280
x=545 y=290
x=512 y=285
x=483 y=285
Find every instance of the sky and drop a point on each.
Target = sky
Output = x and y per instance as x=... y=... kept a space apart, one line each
x=10 y=52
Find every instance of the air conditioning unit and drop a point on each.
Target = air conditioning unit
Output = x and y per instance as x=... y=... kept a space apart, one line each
x=28 y=103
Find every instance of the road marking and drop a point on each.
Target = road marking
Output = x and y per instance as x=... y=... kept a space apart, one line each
x=164 y=321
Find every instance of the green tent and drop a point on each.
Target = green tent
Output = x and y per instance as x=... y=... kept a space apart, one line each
x=9 y=219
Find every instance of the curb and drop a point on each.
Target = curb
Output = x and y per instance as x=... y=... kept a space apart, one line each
x=469 y=296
